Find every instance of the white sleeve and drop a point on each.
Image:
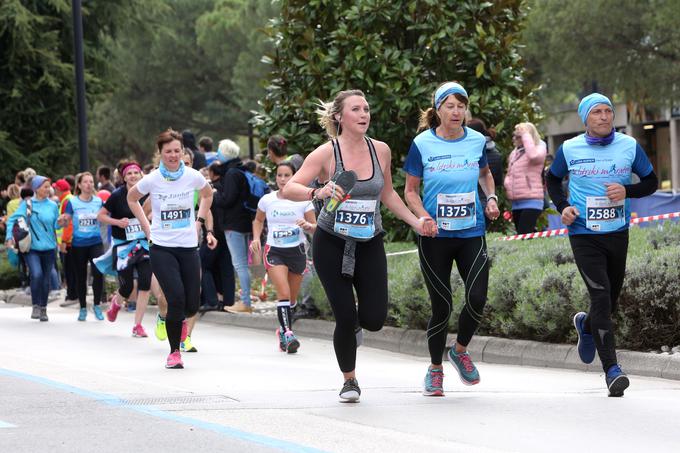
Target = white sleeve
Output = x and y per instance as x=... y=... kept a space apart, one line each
x=309 y=207
x=199 y=180
x=263 y=204
x=145 y=185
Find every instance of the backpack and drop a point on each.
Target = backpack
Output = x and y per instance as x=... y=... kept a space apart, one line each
x=257 y=188
x=21 y=231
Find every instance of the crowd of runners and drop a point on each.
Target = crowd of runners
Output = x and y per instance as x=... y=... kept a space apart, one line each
x=183 y=230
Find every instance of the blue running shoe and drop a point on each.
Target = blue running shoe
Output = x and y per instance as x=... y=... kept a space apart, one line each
x=434 y=382
x=292 y=343
x=617 y=381
x=82 y=314
x=282 y=340
x=586 y=344
x=463 y=364
x=98 y=312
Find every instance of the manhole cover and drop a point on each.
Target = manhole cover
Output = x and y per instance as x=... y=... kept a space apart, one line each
x=179 y=400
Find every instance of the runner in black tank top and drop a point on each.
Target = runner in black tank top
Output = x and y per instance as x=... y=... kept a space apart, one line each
x=347 y=246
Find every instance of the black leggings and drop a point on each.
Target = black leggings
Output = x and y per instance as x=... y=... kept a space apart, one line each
x=126 y=278
x=369 y=281
x=525 y=220
x=436 y=262
x=81 y=257
x=601 y=260
x=178 y=271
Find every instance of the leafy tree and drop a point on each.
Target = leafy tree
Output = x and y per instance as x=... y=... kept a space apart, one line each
x=397 y=52
x=196 y=66
x=627 y=47
x=37 y=119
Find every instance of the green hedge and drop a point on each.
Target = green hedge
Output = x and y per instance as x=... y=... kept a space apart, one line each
x=535 y=289
x=9 y=276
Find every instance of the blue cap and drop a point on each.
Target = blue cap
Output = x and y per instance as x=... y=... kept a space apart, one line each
x=37 y=181
x=447 y=90
x=590 y=101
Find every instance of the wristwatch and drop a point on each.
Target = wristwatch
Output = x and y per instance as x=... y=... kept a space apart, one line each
x=200 y=219
x=492 y=196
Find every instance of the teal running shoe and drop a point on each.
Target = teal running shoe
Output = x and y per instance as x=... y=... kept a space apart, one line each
x=434 y=382
x=82 y=314
x=98 y=313
x=463 y=364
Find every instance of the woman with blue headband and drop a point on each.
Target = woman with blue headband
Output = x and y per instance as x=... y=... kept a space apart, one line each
x=600 y=164
x=450 y=160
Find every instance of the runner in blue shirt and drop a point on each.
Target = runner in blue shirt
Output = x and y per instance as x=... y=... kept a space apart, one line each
x=82 y=208
x=600 y=164
x=450 y=160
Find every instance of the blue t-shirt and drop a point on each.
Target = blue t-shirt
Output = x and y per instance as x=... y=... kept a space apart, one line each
x=86 y=230
x=450 y=173
x=590 y=168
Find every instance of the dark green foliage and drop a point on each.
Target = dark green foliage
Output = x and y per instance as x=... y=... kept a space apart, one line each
x=37 y=118
x=397 y=53
x=627 y=47
x=535 y=289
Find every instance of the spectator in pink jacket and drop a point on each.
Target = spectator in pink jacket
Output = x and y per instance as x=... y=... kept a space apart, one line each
x=523 y=180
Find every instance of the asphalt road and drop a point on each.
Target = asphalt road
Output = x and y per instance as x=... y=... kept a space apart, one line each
x=68 y=386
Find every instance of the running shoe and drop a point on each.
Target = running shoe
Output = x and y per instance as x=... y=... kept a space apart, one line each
x=98 y=312
x=183 y=335
x=174 y=360
x=131 y=306
x=239 y=307
x=617 y=381
x=463 y=364
x=187 y=346
x=434 y=382
x=282 y=340
x=112 y=313
x=586 y=344
x=350 y=392
x=138 y=331
x=43 y=314
x=160 y=331
x=292 y=343
x=82 y=314
x=35 y=314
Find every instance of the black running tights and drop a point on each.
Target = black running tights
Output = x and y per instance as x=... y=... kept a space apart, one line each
x=436 y=262
x=369 y=281
x=82 y=256
x=601 y=260
x=178 y=271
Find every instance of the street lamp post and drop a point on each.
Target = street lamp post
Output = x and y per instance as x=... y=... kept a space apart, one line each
x=80 y=82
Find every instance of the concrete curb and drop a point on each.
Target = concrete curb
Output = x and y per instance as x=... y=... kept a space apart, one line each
x=414 y=342
x=489 y=349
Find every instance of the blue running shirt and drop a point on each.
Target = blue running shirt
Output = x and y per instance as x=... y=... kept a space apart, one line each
x=590 y=167
x=449 y=170
x=85 y=224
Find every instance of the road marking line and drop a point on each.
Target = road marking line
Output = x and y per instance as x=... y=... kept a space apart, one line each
x=113 y=400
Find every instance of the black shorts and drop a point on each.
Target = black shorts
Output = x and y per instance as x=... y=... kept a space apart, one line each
x=293 y=258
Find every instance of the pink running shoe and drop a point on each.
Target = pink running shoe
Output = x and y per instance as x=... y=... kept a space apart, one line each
x=138 y=331
x=112 y=312
x=183 y=335
x=174 y=360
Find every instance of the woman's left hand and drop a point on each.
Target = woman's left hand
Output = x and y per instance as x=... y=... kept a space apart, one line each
x=305 y=225
x=211 y=241
x=491 y=210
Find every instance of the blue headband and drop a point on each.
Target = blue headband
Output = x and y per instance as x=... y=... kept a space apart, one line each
x=447 y=90
x=589 y=102
x=37 y=182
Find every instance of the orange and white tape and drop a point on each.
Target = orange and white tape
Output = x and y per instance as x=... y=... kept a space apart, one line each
x=563 y=231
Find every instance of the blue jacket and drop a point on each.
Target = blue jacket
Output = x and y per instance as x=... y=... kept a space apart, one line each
x=43 y=223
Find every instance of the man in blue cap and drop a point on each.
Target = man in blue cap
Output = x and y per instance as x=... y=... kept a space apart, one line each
x=600 y=164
